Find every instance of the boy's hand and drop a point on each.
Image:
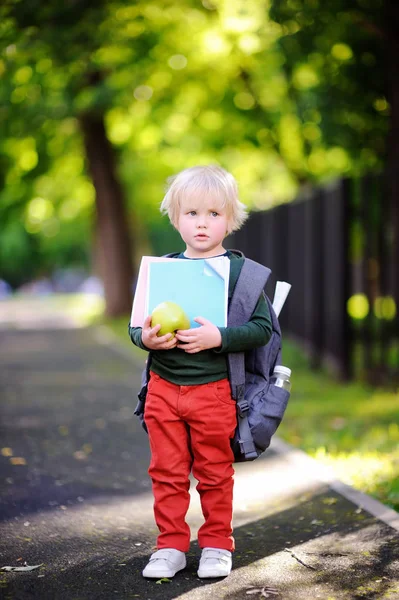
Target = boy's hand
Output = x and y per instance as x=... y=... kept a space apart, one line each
x=152 y=341
x=200 y=338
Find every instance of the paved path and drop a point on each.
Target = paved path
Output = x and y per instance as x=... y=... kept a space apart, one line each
x=75 y=495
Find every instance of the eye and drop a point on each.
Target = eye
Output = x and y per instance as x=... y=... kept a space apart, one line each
x=214 y=213
x=192 y=213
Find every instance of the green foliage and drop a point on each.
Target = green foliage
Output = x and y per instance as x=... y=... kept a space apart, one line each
x=276 y=101
x=18 y=254
x=335 y=57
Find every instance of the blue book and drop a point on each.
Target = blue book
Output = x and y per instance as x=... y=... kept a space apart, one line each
x=199 y=286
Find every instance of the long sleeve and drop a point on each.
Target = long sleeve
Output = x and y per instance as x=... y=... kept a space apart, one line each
x=253 y=334
x=135 y=336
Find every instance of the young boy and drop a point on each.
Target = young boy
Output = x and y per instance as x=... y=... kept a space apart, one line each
x=189 y=411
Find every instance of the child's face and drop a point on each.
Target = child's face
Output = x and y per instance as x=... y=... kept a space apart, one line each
x=203 y=226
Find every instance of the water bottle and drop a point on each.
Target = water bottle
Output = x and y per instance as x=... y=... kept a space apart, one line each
x=281 y=377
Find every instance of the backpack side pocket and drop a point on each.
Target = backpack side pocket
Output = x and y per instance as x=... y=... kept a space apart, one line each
x=265 y=414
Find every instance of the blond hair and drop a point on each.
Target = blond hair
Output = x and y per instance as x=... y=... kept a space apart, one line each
x=210 y=179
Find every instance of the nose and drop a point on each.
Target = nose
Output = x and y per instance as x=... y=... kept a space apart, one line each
x=202 y=222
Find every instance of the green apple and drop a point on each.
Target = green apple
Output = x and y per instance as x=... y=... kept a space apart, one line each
x=170 y=316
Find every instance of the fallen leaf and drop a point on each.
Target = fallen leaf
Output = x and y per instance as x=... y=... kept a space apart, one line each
x=264 y=592
x=6 y=451
x=17 y=460
x=164 y=580
x=80 y=455
x=329 y=501
x=24 y=568
x=267 y=592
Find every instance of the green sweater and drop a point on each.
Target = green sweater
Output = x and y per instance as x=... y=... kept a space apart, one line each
x=206 y=366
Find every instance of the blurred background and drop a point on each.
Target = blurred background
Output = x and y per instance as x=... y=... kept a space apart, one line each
x=299 y=99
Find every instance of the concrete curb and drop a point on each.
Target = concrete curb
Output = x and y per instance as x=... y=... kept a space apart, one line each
x=298 y=458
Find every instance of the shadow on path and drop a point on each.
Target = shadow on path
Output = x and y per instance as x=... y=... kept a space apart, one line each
x=109 y=565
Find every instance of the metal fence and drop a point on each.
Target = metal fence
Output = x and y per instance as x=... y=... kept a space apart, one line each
x=335 y=246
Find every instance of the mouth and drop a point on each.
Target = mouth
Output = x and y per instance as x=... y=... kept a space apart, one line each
x=201 y=236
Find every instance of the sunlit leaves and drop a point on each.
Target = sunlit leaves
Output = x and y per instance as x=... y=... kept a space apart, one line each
x=110 y=56
x=143 y=92
x=304 y=77
x=22 y=75
x=39 y=210
x=341 y=52
x=381 y=105
x=311 y=132
x=291 y=142
x=244 y=100
x=249 y=43
x=23 y=152
x=330 y=64
x=215 y=44
x=177 y=62
x=276 y=100
x=211 y=120
x=119 y=126
x=385 y=308
x=242 y=16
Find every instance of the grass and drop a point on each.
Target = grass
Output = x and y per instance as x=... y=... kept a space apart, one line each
x=348 y=426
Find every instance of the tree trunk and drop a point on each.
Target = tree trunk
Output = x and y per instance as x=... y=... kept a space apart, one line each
x=111 y=229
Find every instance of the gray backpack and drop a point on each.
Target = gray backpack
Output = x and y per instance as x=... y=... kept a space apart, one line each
x=260 y=405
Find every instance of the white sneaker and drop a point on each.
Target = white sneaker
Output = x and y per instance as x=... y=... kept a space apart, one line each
x=214 y=562
x=165 y=563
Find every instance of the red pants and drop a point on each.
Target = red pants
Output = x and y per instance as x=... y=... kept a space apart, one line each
x=190 y=427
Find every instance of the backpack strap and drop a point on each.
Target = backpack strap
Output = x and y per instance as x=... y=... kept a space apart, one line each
x=250 y=284
x=145 y=378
